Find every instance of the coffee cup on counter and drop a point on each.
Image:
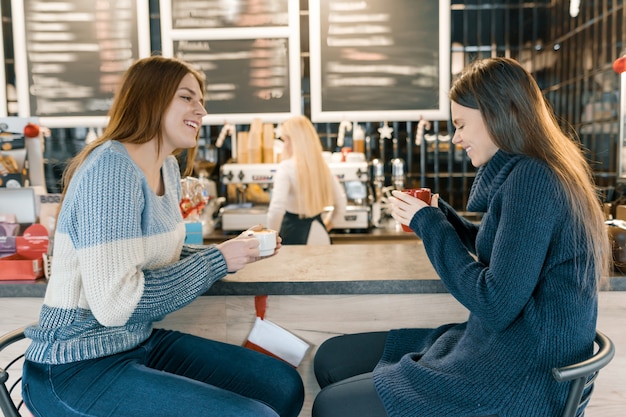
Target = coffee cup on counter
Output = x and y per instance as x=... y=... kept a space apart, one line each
x=267 y=241
x=423 y=194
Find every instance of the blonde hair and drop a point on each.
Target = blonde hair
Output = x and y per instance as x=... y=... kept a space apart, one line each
x=520 y=121
x=314 y=177
x=147 y=90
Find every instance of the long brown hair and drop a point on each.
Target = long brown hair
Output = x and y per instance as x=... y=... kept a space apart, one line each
x=520 y=121
x=147 y=90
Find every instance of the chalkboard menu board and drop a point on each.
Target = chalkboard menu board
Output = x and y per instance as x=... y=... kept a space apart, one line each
x=249 y=51
x=3 y=84
x=70 y=56
x=219 y=14
x=379 y=59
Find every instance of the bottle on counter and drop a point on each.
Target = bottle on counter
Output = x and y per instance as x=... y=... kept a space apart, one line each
x=209 y=194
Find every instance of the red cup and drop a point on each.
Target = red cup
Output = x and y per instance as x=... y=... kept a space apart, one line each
x=423 y=194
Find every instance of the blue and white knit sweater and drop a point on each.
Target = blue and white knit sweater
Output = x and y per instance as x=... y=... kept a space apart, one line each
x=119 y=262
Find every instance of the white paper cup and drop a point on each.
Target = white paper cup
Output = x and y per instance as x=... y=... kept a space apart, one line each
x=267 y=241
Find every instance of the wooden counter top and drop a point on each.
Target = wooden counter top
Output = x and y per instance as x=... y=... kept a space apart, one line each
x=347 y=262
x=374 y=268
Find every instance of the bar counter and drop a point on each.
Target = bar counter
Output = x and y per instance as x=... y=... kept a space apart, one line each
x=351 y=268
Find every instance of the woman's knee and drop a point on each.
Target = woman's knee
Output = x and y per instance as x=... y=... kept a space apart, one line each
x=353 y=397
x=348 y=355
x=289 y=390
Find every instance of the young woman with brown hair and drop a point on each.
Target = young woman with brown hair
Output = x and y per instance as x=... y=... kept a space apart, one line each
x=120 y=264
x=528 y=273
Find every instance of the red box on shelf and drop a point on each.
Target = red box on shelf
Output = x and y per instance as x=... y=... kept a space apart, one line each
x=27 y=262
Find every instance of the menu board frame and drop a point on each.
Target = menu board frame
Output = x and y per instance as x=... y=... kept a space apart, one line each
x=3 y=76
x=289 y=32
x=319 y=55
x=23 y=68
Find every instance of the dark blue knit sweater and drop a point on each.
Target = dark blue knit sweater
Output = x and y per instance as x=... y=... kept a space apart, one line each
x=518 y=273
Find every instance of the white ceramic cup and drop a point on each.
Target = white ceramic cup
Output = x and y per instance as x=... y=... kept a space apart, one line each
x=267 y=241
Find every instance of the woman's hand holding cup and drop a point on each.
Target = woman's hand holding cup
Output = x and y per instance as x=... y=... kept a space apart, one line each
x=251 y=245
x=405 y=203
x=269 y=241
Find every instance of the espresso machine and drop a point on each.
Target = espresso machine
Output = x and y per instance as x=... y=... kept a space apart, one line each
x=249 y=187
x=381 y=207
x=241 y=213
x=354 y=176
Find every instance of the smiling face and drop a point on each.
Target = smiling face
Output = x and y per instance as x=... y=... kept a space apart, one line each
x=183 y=116
x=471 y=133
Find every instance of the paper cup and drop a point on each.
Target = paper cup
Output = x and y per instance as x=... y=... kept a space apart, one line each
x=423 y=194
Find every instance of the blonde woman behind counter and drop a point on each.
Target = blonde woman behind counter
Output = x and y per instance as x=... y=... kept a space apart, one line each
x=304 y=188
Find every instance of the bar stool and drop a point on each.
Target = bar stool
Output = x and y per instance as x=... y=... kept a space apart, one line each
x=583 y=376
x=11 y=402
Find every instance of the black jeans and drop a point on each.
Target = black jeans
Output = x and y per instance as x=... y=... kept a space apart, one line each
x=343 y=368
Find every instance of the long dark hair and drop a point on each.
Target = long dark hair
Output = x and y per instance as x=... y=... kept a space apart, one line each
x=520 y=121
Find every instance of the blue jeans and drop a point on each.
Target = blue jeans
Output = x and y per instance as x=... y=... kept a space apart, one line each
x=170 y=374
